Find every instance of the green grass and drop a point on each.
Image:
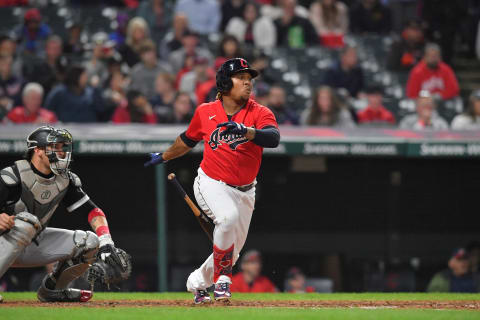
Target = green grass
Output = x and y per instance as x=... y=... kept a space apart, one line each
x=84 y=312
x=230 y=314
x=268 y=296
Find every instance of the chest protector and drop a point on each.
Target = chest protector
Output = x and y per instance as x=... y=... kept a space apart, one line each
x=40 y=196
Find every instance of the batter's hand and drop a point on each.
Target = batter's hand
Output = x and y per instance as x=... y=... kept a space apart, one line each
x=155 y=158
x=232 y=127
x=6 y=222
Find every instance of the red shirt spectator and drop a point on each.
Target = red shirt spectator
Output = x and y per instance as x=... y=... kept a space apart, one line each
x=432 y=75
x=375 y=111
x=138 y=110
x=22 y=115
x=260 y=284
x=379 y=114
x=31 y=111
x=249 y=278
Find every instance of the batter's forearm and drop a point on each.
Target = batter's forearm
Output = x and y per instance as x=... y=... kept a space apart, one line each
x=177 y=149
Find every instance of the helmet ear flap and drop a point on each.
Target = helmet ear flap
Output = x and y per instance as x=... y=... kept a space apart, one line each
x=224 y=83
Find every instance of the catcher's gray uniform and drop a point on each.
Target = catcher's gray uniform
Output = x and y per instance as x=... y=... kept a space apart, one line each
x=33 y=197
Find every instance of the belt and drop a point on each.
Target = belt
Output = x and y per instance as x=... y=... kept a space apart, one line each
x=243 y=188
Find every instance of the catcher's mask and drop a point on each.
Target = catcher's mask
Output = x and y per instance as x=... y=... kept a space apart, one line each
x=228 y=69
x=58 y=146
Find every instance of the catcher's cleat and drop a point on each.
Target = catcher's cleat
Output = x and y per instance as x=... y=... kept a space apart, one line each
x=201 y=297
x=222 y=291
x=64 y=295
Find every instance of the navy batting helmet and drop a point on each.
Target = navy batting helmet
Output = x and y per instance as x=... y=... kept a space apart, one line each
x=229 y=68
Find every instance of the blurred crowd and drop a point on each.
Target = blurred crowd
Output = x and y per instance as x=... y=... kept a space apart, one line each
x=158 y=59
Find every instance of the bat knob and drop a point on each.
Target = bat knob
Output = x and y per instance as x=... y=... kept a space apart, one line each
x=171 y=176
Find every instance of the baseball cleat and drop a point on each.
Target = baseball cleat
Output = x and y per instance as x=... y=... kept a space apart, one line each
x=201 y=297
x=1 y=299
x=64 y=295
x=222 y=291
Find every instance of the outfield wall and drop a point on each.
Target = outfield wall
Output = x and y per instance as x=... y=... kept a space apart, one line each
x=357 y=214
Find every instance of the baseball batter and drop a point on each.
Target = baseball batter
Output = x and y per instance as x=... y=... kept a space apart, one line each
x=30 y=192
x=234 y=129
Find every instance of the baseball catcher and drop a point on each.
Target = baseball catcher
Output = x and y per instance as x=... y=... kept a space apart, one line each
x=30 y=192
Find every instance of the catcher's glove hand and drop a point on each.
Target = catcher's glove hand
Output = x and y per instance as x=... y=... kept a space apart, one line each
x=113 y=265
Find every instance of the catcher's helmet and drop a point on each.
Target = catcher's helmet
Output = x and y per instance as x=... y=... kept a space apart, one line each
x=47 y=135
x=229 y=68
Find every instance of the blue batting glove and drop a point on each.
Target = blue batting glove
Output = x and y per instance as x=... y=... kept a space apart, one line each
x=155 y=158
x=232 y=127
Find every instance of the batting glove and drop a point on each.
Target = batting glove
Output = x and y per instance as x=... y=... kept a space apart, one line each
x=155 y=158
x=232 y=127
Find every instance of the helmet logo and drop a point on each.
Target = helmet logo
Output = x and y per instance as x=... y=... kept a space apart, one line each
x=45 y=195
x=243 y=63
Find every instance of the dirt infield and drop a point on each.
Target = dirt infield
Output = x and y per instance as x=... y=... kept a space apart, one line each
x=373 y=304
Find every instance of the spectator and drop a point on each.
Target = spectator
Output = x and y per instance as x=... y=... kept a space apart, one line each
x=296 y=282
x=470 y=120
x=433 y=75
x=443 y=19
x=407 y=51
x=253 y=29
x=276 y=11
x=137 y=34
x=201 y=76
x=370 y=16
x=138 y=110
x=375 y=112
x=228 y=48
x=457 y=278
x=10 y=86
x=73 y=46
x=330 y=19
x=102 y=50
x=294 y=31
x=473 y=252
x=326 y=110
x=114 y=95
x=33 y=33
x=144 y=73
x=173 y=39
x=182 y=112
x=190 y=48
x=277 y=102
x=346 y=73
x=249 y=279
x=31 y=110
x=8 y=46
x=231 y=9
x=119 y=35
x=74 y=100
x=426 y=116
x=49 y=71
x=162 y=101
x=204 y=16
x=158 y=17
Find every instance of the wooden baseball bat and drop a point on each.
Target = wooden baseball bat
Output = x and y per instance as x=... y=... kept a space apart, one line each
x=206 y=224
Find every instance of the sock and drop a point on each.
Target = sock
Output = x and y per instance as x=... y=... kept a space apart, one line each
x=222 y=262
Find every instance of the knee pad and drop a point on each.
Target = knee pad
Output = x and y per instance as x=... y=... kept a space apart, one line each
x=86 y=246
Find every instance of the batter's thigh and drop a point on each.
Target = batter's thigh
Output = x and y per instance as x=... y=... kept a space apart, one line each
x=53 y=245
x=216 y=199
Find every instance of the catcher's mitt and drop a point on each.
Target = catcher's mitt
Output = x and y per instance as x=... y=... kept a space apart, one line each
x=112 y=266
